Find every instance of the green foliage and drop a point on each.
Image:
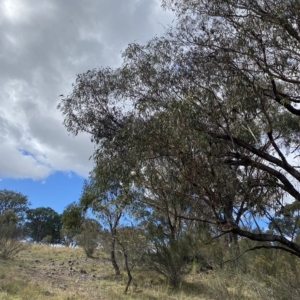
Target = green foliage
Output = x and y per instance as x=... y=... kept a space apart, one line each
x=168 y=259
x=72 y=219
x=14 y=201
x=9 y=217
x=12 y=210
x=108 y=200
x=89 y=241
x=43 y=221
x=11 y=235
x=47 y=239
x=213 y=113
x=133 y=246
x=89 y=237
x=72 y=216
x=176 y=246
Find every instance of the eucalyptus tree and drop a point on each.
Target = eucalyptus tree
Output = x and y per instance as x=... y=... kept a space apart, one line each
x=108 y=201
x=181 y=175
x=232 y=67
x=42 y=222
x=15 y=201
x=72 y=220
x=90 y=236
x=11 y=235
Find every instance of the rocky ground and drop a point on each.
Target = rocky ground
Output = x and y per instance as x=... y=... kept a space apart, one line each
x=64 y=269
x=44 y=272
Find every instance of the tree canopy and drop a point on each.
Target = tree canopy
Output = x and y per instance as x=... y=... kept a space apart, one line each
x=206 y=116
x=14 y=201
x=42 y=222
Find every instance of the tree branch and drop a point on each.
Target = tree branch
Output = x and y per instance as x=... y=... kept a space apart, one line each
x=284 y=165
x=260 y=247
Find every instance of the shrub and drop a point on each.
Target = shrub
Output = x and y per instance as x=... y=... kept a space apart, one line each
x=88 y=240
x=10 y=241
x=47 y=239
x=168 y=259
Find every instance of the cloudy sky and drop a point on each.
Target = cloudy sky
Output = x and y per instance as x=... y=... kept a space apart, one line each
x=43 y=45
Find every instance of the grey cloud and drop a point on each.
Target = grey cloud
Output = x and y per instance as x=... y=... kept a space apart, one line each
x=42 y=48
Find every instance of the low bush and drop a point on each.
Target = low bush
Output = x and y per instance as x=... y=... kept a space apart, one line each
x=10 y=241
x=88 y=240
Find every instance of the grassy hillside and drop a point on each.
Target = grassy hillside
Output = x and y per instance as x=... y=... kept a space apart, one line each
x=44 y=272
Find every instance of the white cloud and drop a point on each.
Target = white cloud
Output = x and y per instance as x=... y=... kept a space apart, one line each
x=43 y=47
x=15 y=164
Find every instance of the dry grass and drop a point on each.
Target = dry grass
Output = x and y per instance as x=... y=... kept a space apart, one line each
x=43 y=272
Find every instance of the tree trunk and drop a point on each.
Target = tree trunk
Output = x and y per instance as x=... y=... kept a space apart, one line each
x=112 y=255
x=235 y=250
x=127 y=269
x=126 y=265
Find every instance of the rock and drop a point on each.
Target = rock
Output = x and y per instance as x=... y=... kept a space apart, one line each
x=63 y=286
x=82 y=271
x=206 y=268
x=47 y=293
